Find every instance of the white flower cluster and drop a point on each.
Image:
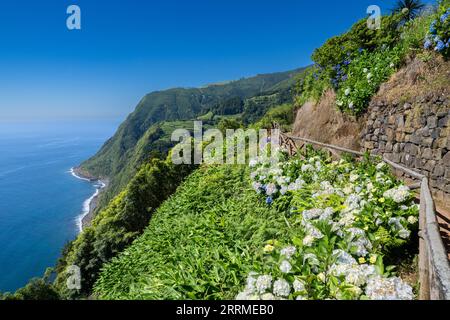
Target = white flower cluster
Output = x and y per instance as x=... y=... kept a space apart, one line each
x=347 y=221
x=399 y=194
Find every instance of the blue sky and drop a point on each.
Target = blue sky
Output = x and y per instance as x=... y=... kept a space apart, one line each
x=127 y=48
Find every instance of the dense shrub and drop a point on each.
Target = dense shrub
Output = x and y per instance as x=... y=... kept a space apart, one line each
x=363 y=77
x=36 y=289
x=438 y=38
x=348 y=217
x=356 y=63
x=282 y=115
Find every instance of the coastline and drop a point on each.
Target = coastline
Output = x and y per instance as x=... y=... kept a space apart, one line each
x=89 y=205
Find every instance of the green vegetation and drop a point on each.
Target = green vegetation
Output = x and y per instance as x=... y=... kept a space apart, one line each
x=200 y=243
x=356 y=63
x=438 y=37
x=115 y=227
x=204 y=241
x=282 y=115
x=36 y=289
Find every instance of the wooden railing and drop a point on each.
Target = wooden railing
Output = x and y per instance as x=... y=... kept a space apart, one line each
x=434 y=268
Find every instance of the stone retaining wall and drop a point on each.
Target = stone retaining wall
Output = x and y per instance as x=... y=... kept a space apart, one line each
x=415 y=133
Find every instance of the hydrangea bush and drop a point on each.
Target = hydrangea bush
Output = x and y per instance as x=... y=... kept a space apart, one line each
x=363 y=76
x=347 y=216
x=438 y=38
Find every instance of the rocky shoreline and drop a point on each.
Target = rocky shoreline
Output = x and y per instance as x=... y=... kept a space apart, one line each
x=93 y=202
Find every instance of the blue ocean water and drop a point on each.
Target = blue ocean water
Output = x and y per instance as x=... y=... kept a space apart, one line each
x=39 y=199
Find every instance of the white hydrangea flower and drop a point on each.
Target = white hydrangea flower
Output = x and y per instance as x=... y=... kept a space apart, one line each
x=253 y=162
x=257 y=186
x=308 y=240
x=281 y=288
x=347 y=91
x=311 y=258
x=263 y=283
x=271 y=188
x=365 y=70
x=353 y=177
x=288 y=251
x=312 y=214
x=327 y=214
x=343 y=257
x=404 y=233
x=285 y=266
x=412 y=220
x=381 y=165
x=298 y=285
x=251 y=282
x=379 y=288
x=307 y=168
x=399 y=194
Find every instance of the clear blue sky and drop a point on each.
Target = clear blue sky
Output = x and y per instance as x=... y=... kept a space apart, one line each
x=127 y=48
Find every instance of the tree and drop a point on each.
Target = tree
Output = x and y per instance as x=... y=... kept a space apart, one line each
x=36 y=289
x=409 y=8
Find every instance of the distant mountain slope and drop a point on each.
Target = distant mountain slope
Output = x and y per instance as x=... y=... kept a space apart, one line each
x=144 y=133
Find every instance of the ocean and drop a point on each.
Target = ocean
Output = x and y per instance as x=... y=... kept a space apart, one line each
x=41 y=201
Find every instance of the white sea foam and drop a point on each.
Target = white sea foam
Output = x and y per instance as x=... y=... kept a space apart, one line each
x=87 y=203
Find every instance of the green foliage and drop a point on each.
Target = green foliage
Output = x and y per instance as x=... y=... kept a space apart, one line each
x=229 y=123
x=205 y=240
x=36 y=289
x=230 y=106
x=199 y=244
x=337 y=49
x=338 y=53
x=365 y=75
x=256 y=107
x=283 y=115
x=438 y=37
x=124 y=219
x=414 y=32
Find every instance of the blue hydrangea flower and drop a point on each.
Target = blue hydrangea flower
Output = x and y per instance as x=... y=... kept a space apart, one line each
x=440 y=46
x=427 y=44
x=360 y=50
x=444 y=17
x=433 y=27
x=269 y=200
